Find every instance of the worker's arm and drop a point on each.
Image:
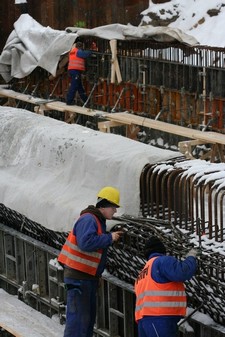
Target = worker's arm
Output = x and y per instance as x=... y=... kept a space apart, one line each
x=84 y=53
x=87 y=237
x=168 y=268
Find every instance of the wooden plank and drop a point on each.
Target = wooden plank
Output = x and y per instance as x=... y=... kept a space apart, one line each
x=10 y=330
x=126 y=118
x=120 y=117
x=115 y=69
x=18 y=96
x=22 y=321
x=185 y=147
x=106 y=125
x=61 y=106
x=51 y=105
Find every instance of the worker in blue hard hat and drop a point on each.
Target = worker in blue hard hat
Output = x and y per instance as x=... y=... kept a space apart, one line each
x=84 y=257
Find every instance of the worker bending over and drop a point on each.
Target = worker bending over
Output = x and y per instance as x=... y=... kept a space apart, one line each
x=160 y=293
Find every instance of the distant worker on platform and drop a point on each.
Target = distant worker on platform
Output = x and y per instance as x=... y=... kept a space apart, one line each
x=76 y=67
x=160 y=293
x=84 y=257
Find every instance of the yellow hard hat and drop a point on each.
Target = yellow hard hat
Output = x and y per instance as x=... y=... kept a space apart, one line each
x=111 y=194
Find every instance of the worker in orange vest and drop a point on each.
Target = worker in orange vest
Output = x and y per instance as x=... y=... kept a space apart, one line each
x=84 y=257
x=160 y=291
x=76 y=67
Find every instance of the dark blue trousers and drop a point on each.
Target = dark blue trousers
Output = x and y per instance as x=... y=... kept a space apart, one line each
x=161 y=326
x=75 y=86
x=81 y=308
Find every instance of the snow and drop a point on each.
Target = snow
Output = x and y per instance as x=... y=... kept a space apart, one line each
x=199 y=317
x=51 y=170
x=18 y=317
x=193 y=19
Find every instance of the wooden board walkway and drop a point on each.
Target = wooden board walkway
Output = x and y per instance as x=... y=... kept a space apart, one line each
x=128 y=119
x=122 y=118
x=217 y=140
x=44 y=105
x=20 y=320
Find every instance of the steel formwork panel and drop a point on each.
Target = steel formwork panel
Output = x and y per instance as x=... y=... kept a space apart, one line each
x=116 y=299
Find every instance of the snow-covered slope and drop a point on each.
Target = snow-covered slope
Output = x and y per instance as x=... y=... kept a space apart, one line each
x=51 y=170
x=203 y=19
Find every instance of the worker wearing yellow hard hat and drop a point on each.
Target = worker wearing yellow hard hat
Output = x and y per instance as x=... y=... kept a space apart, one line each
x=110 y=194
x=84 y=258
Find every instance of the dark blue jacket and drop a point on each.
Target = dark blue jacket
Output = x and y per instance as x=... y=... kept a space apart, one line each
x=88 y=240
x=84 y=53
x=168 y=268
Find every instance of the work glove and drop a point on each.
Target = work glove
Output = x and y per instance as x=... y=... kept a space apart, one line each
x=194 y=252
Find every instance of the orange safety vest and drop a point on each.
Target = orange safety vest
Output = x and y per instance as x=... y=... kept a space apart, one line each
x=158 y=299
x=72 y=256
x=75 y=62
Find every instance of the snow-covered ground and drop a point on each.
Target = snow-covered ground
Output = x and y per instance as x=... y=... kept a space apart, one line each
x=202 y=19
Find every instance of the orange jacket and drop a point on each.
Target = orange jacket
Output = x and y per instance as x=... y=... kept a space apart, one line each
x=158 y=299
x=75 y=62
x=73 y=257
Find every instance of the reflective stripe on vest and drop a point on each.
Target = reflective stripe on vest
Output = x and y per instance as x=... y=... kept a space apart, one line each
x=75 y=62
x=72 y=256
x=158 y=299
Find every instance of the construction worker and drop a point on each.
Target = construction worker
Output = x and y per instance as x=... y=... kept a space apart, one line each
x=160 y=292
x=84 y=257
x=76 y=67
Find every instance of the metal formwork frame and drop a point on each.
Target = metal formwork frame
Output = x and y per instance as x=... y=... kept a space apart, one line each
x=25 y=270
x=26 y=262
x=115 y=309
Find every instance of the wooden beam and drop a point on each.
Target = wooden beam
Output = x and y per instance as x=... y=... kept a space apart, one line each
x=121 y=118
x=107 y=125
x=129 y=119
x=21 y=320
x=42 y=105
x=10 y=330
x=186 y=146
x=115 y=69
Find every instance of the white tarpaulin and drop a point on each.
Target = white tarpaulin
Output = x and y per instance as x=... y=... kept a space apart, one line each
x=128 y=32
x=51 y=170
x=31 y=45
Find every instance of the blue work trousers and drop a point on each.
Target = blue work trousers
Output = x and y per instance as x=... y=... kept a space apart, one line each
x=81 y=308
x=161 y=326
x=75 y=86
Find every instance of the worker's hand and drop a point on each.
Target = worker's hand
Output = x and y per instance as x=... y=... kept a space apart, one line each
x=117 y=235
x=194 y=252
